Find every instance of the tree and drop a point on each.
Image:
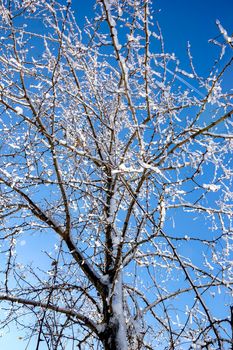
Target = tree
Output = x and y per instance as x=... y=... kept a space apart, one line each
x=109 y=152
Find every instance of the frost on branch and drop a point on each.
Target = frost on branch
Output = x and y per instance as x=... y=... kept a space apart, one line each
x=115 y=182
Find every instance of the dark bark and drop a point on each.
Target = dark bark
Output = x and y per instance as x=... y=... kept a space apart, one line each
x=110 y=336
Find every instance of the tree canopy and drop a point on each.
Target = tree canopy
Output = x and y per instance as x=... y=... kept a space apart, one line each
x=117 y=161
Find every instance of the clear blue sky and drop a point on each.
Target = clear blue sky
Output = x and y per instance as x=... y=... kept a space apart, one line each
x=181 y=21
x=193 y=21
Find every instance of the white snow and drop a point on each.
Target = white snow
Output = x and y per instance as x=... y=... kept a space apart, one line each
x=101 y=327
x=18 y=110
x=224 y=32
x=13 y=145
x=126 y=169
x=183 y=72
x=163 y=212
x=118 y=312
x=154 y=169
x=211 y=187
x=62 y=142
x=5 y=173
x=15 y=62
x=50 y=172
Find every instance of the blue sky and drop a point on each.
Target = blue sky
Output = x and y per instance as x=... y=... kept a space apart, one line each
x=193 y=21
x=184 y=21
x=181 y=21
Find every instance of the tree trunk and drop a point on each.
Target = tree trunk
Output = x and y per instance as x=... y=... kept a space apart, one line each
x=114 y=336
x=110 y=339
